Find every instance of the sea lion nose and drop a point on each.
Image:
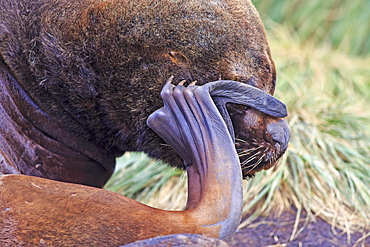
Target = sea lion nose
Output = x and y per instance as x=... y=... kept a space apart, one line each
x=280 y=133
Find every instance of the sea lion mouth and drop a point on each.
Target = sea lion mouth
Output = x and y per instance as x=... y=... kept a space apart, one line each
x=260 y=140
x=256 y=156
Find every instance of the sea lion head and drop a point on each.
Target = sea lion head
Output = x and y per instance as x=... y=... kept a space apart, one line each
x=105 y=63
x=205 y=41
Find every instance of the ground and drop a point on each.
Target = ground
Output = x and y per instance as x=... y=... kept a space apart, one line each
x=276 y=231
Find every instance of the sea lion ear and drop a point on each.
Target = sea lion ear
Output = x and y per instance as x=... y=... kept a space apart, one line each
x=179 y=59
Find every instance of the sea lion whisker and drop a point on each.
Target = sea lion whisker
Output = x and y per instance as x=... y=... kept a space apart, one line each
x=247 y=151
x=241 y=140
x=246 y=165
x=165 y=144
x=253 y=149
x=246 y=154
x=243 y=154
x=254 y=155
x=250 y=165
x=245 y=162
x=252 y=158
x=249 y=159
x=257 y=163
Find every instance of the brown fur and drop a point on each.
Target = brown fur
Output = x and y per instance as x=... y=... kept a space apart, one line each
x=97 y=67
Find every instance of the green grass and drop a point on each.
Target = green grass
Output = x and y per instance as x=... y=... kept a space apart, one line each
x=147 y=181
x=343 y=24
x=321 y=49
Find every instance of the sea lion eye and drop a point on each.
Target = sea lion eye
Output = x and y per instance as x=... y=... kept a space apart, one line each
x=179 y=58
x=237 y=108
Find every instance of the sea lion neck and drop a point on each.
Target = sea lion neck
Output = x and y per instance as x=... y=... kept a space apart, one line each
x=33 y=143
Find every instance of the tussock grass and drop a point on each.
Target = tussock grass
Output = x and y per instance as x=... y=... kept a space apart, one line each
x=326 y=170
x=153 y=183
x=342 y=24
x=327 y=167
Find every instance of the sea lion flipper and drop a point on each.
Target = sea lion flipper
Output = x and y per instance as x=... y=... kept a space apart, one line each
x=184 y=118
x=244 y=94
x=217 y=93
x=167 y=121
x=223 y=92
x=220 y=103
x=191 y=123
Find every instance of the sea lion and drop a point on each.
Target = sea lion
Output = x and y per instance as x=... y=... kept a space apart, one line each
x=41 y=211
x=79 y=79
x=83 y=76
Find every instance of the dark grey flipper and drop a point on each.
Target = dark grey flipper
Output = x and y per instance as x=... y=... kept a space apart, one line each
x=212 y=96
x=225 y=91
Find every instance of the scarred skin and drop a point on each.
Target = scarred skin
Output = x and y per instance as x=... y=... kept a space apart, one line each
x=78 y=81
